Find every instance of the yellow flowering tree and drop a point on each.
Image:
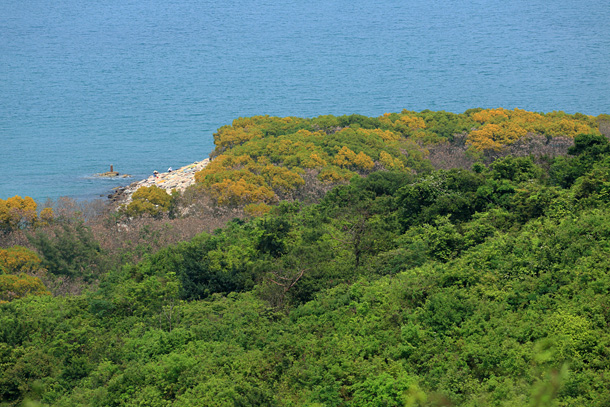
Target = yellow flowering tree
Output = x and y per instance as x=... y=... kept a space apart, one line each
x=17 y=213
x=18 y=259
x=501 y=127
x=13 y=287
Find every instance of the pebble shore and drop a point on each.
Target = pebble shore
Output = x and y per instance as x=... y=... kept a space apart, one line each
x=178 y=179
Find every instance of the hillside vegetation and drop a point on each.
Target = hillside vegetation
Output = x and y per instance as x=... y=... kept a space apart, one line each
x=264 y=159
x=397 y=281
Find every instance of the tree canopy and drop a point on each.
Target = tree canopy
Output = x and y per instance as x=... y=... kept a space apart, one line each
x=399 y=285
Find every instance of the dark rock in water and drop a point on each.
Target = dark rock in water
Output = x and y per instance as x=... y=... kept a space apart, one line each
x=112 y=174
x=108 y=174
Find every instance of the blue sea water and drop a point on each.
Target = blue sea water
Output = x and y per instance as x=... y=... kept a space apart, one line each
x=143 y=84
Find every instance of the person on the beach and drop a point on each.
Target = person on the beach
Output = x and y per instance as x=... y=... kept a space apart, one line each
x=156 y=173
x=169 y=169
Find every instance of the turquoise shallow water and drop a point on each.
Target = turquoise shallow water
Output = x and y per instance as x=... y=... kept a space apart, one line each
x=143 y=85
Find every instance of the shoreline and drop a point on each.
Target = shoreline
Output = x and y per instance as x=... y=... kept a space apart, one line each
x=179 y=179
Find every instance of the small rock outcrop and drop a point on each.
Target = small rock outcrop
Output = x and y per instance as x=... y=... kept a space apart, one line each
x=108 y=174
x=112 y=174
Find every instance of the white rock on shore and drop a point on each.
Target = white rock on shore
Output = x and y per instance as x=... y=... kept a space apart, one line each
x=177 y=179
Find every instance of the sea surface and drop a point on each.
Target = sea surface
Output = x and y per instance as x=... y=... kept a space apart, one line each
x=144 y=84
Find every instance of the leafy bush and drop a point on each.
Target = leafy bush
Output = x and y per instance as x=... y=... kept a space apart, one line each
x=20 y=213
x=152 y=201
x=18 y=259
x=13 y=287
x=70 y=250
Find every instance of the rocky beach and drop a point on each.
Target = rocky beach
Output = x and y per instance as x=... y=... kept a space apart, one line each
x=178 y=179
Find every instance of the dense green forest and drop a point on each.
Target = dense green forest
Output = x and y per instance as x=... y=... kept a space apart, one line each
x=415 y=259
